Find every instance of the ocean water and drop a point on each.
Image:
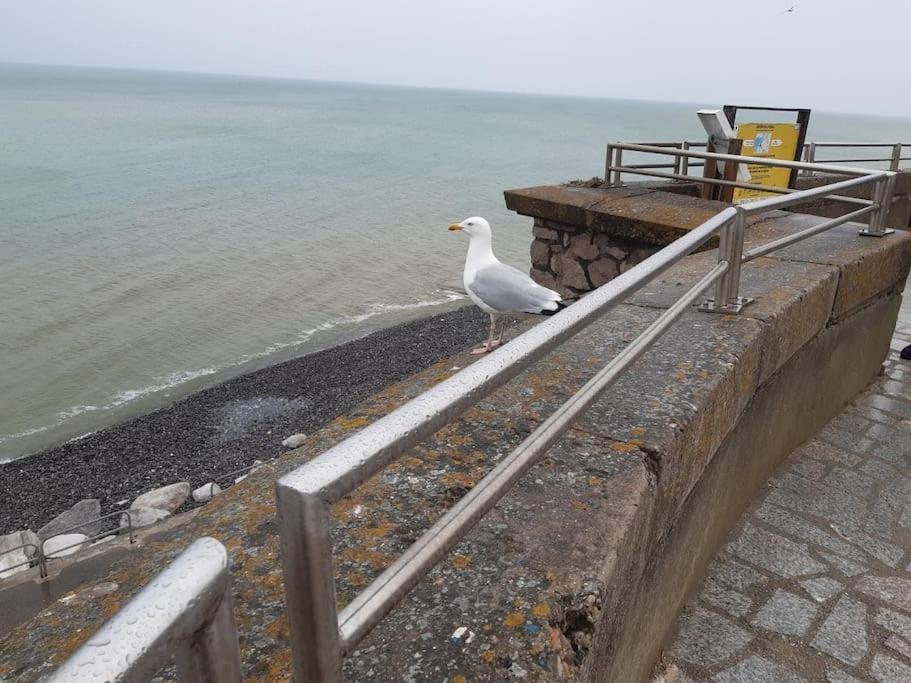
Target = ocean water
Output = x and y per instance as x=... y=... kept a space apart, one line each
x=161 y=232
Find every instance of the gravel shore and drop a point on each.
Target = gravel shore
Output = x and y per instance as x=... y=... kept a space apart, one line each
x=227 y=426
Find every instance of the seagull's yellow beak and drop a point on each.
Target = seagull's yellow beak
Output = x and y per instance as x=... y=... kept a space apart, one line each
x=455 y=226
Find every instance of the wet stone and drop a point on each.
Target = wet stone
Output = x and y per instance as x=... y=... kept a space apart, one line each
x=730 y=601
x=888 y=405
x=810 y=468
x=850 y=441
x=775 y=553
x=891 y=590
x=758 y=670
x=844 y=632
x=895 y=622
x=886 y=553
x=900 y=645
x=787 y=522
x=852 y=482
x=887 y=670
x=846 y=567
x=707 y=639
x=822 y=588
x=785 y=613
x=736 y=575
x=824 y=451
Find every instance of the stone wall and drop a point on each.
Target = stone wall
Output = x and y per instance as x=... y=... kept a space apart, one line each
x=573 y=261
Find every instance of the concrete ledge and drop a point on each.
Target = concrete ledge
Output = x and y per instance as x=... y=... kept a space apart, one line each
x=636 y=212
x=580 y=570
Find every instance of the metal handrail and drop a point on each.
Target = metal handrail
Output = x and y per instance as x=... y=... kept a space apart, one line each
x=808 y=152
x=41 y=558
x=320 y=635
x=186 y=612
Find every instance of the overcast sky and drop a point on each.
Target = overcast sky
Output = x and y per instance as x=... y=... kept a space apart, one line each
x=838 y=55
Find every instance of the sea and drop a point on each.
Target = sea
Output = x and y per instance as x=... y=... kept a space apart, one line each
x=162 y=232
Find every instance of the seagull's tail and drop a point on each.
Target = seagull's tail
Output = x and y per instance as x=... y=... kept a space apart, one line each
x=560 y=306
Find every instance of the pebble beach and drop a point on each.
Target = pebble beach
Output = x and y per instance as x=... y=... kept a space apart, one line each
x=225 y=427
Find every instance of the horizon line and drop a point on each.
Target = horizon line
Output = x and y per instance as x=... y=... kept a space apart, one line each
x=415 y=86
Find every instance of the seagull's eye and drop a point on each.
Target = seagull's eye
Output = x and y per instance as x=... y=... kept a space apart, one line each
x=471 y=225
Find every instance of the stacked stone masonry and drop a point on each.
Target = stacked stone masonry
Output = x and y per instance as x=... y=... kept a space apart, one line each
x=573 y=260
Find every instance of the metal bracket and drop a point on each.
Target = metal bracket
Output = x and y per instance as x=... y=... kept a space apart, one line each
x=866 y=232
x=708 y=306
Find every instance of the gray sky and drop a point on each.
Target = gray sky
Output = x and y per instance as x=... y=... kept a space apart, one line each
x=838 y=55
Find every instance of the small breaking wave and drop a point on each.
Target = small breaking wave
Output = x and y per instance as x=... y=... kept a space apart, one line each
x=175 y=379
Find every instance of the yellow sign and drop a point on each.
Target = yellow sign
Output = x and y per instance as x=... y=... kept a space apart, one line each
x=769 y=140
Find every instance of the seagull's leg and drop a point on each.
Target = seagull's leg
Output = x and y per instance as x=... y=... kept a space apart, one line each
x=489 y=345
x=502 y=330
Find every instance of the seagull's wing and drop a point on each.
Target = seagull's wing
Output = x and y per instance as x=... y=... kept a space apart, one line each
x=506 y=289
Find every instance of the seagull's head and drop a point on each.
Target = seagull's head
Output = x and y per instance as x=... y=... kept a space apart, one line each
x=473 y=227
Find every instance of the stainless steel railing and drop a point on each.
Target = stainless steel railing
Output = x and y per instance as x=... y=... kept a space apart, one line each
x=894 y=159
x=681 y=165
x=185 y=613
x=187 y=609
x=320 y=634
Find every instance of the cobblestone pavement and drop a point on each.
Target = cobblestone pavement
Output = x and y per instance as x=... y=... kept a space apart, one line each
x=815 y=581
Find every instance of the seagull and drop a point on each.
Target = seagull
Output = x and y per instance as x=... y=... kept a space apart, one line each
x=790 y=9
x=497 y=288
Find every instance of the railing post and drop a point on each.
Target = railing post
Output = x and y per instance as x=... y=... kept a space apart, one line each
x=607 y=163
x=685 y=163
x=618 y=161
x=811 y=156
x=896 y=156
x=303 y=521
x=882 y=199
x=213 y=655
x=730 y=249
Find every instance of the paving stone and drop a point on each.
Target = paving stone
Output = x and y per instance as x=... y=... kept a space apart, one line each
x=844 y=632
x=900 y=645
x=785 y=613
x=840 y=677
x=874 y=414
x=815 y=498
x=895 y=622
x=825 y=451
x=887 y=553
x=851 y=481
x=732 y=602
x=886 y=670
x=905 y=519
x=775 y=553
x=849 y=441
x=890 y=589
x=888 y=405
x=851 y=422
x=811 y=468
x=757 y=669
x=885 y=433
x=707 y=639
x=789 y=523
x=822 y=588
x=736 y=575
x=879 y=469
x=846 y=567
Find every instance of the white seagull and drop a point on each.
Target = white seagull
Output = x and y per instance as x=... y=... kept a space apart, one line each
x=495 y=287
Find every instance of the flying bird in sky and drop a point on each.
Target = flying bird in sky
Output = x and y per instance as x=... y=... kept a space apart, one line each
x=495 y=287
